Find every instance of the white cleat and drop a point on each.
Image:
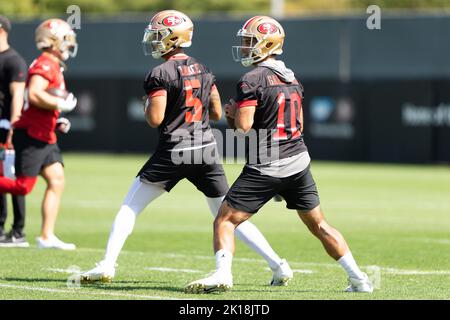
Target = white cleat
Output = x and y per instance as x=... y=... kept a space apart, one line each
x=360 y=285
x=54 y=243
x=282 y=274
x=101 y=273
x=217 y=282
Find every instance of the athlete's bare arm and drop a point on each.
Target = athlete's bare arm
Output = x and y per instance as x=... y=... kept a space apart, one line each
x=215 y=105
x=154 y=112
x=244 y=118
x=37 y=95
x=16 y=89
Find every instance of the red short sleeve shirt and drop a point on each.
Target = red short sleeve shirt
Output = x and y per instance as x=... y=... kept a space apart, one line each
x=40 y=123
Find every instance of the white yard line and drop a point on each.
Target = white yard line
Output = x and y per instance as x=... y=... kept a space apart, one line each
x=414 y=272
x=303 y=271
x=103 y=251
x=211 y=257
x=86 y=292
x=99 y=250
x=173 y=270
x=69 y=271
x=431 y=240
x=300 y=271
x=387 y=270
x=384 y=269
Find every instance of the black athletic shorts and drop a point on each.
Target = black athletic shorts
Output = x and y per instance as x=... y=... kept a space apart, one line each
x=252 y=190
x=33 y=155
x=3 y=135
x=160 y=170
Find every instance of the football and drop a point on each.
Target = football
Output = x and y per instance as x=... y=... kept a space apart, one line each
x=60 y=93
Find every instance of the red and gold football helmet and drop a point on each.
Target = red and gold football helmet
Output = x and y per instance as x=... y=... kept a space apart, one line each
x=168 y=30
x=57 y=34
x=261 y=36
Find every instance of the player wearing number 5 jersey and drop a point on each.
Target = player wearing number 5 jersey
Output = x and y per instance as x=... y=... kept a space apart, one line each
x=269 y=101
x=181 y=98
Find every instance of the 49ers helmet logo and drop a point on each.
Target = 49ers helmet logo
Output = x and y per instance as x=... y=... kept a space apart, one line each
x=267 y=28
x=53 y=24
x=172 y=21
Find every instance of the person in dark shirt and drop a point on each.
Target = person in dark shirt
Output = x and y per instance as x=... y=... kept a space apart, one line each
x=13 y=72
x=181 y=98
x=269 y=104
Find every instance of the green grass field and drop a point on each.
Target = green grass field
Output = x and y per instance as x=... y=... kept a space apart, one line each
x=395 y=217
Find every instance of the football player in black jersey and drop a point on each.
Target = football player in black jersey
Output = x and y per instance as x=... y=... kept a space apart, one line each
x=13 y=73
x=269 y=106
x=181 y=98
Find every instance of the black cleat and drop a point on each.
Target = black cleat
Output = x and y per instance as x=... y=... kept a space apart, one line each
x=14 y=240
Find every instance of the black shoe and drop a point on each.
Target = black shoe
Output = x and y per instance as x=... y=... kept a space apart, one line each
x=14 y=240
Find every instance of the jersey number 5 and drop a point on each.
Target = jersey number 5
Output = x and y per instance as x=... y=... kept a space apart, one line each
x=194 y=114
x=296 y=103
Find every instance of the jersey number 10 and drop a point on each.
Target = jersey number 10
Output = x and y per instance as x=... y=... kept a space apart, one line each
x=296 y=103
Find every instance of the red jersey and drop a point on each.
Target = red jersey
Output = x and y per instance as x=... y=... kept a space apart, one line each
x=41 y=123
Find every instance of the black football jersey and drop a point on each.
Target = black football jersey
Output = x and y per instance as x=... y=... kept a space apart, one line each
x=277 y=116
x=186 y=120
x=12 y=69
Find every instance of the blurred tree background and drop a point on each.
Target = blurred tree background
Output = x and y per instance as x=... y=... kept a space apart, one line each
x=39 y=8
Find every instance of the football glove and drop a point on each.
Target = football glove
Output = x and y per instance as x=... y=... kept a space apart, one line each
x=63 y=125
x=67 y=104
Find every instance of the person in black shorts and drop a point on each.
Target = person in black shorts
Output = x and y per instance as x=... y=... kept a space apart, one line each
x=269 y=105
x=181 y=98
x=13 y=72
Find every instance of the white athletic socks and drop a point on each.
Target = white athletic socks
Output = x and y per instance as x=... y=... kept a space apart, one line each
x=139 y=196
x=248 y=233
x=349 y=264
x=121 y=229
x=223 y=261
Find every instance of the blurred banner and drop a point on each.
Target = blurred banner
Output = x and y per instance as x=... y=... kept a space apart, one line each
x=370 y=95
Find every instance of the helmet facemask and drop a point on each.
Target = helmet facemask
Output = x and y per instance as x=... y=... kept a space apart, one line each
x=248 y=52
x=69 y=46
x=260 y=37
x=167 y=31
x=153 y=42
x=157 y=42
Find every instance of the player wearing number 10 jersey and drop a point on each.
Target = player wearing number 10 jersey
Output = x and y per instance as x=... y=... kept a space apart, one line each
x=269 y=101
x=181 y=97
